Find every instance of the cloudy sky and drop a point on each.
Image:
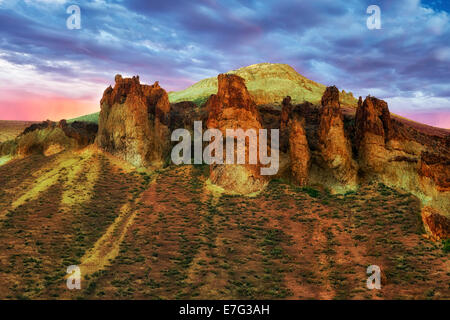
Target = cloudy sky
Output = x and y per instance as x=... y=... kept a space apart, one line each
x=49 y=71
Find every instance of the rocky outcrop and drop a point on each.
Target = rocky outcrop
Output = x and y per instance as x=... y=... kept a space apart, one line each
x=334 y=146
x=436 y=225
x=294 y=142
x=134 y=122
x=49 y=137
x=286 y=111
x=83 y=132
x=233 y=108
x=398 y=157
x=286 y=115
x=39 y=126
x=433 y=181
x=373 y=129
x=437 y=168
x=299 y=152
x=183 y=114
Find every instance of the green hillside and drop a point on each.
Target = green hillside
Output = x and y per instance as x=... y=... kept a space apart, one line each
x=268 y=83
x=93 y=117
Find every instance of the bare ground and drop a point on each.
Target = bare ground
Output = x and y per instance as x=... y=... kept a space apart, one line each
x=164 y=235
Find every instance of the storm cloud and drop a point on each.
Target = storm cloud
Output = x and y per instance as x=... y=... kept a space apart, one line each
x=181 y=42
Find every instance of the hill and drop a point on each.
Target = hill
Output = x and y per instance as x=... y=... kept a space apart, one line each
x=268 y=83
x=93 y=117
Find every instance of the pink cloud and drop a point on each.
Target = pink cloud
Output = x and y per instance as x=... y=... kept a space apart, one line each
x=15 y=105
x=38 y=108
x=436 y=118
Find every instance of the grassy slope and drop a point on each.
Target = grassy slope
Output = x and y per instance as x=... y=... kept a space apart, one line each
x=268 y=83
x=174 y=239
x=93 y=117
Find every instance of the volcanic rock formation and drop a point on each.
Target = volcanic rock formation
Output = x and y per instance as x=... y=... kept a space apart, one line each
x=293 y=141
x=286 y=111
x=83 y=132
x=400 y=157
x=334 y=146
x=298 y=151
x=436 y=225
x=134 y=122
x=39 y=126
x=373 y=128
x=49 y=137
x=183 y=114
x=233 y=108
x=286 y=114
x=437 y=168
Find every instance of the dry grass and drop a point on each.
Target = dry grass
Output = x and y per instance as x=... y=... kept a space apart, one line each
x=174 y=239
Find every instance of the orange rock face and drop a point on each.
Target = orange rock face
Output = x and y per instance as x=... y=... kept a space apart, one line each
x=233 y=108
x=399 y=158
x=294 y=142
x=436 y=225
x=373 y=116
x=299 y=152
x=134 y=122
x=373 y=130
x=334 y=146
x=437 y=168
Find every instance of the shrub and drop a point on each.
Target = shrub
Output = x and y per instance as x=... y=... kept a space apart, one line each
x=311 y=192
x=8 y=148
x=446 y=247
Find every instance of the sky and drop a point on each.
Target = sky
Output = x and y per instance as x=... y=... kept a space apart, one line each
x=48 y=71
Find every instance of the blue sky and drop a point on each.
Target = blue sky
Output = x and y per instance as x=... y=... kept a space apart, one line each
x=49 y=71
